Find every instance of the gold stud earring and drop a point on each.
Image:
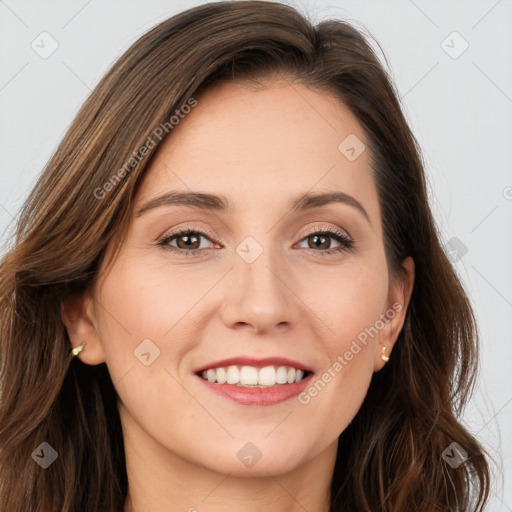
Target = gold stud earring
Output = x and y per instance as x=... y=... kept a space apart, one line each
x=78 y=349
x=384 y=356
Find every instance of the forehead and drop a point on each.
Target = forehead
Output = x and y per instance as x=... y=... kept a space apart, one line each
x=262 y=146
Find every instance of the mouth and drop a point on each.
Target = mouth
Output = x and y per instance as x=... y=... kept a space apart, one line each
x=259 y=383
x=252 y=376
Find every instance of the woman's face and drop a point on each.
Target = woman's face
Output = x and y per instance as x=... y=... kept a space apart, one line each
x=262 y=280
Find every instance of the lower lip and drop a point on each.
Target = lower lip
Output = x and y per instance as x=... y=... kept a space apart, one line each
x=258 y=396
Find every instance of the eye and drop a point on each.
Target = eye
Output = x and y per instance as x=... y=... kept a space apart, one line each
x=188 y=241
x=320 y=240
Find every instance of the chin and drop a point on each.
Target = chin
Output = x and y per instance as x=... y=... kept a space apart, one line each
x=257 y=458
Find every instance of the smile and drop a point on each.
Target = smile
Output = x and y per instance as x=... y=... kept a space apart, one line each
x=249 y=380
x=251 y=376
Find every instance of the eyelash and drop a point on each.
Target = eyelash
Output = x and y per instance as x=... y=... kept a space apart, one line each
x=346 y=243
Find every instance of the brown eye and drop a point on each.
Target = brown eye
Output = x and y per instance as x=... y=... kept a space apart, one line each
x=188 y=241
x=319 y=241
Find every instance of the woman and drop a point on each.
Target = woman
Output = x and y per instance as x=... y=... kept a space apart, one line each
x=227 y=289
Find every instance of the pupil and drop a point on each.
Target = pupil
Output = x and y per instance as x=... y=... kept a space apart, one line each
x=317 y=238
x=189 y=240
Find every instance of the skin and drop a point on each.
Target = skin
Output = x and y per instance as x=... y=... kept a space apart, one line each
x=260 y=149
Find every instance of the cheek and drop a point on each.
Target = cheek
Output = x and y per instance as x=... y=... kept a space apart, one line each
x=352 y=314
x=131 y=315
x=146 y=303
x=348 y=301
x=146 y=318
x=136 y=308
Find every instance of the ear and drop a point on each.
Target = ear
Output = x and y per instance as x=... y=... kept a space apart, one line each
x=78 y=315
x=400 y=291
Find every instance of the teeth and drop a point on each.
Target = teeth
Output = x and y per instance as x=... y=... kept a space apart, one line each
x=233 y=375
x=250 y=376
x=282 y=375
x=221 y=376
x=267 y=376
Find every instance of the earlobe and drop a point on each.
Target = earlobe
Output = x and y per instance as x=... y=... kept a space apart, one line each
x=77 y=314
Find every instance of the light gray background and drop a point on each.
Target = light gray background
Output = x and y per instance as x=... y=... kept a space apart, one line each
x=460 y=109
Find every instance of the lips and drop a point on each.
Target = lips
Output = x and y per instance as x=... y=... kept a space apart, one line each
x=253 y=387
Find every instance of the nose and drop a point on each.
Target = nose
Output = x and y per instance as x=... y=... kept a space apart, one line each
x=259 y=295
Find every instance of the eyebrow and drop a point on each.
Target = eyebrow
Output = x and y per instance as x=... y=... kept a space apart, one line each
x=215 y=202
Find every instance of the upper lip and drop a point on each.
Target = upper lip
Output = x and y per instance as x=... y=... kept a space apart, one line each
x=256 y=362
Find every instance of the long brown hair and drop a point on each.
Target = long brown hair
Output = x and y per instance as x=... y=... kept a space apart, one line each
x=390 y=457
